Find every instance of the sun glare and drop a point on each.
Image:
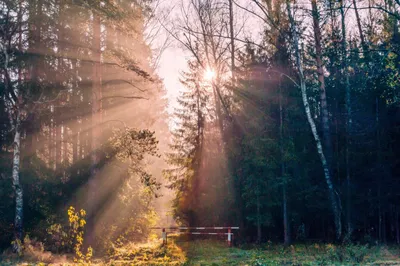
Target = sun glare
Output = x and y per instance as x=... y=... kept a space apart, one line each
x=209 y=74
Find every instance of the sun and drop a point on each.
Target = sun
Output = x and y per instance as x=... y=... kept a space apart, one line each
x=209 y=74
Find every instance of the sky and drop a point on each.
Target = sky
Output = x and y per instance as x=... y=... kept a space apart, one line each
x=173 y=59
x=172 y=63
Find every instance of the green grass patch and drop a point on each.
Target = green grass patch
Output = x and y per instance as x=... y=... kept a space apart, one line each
x=212 y=253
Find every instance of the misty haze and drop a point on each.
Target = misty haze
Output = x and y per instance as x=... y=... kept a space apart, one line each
x=200 y=132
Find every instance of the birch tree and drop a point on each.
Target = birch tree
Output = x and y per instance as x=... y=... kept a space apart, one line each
x=15 y=95
x=333 y=197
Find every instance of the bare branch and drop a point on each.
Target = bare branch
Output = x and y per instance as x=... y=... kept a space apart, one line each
x=122 y=96
x=123 y=81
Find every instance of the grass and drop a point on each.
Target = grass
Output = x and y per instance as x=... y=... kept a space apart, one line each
x=148 y=254
x=216 y=253
x=208 y=253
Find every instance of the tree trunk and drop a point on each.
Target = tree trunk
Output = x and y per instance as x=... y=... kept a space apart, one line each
x=379 y=214
x=259 y=236
x=362 y=38
x=57 y=112
x=75 y=150
x=397 y=226
x=379 y=167
x=75 y=129
x=335 y=203
x=35 y=21
x=18 y=230
x=81 y=143
x=54 y=141
x=232 y=40
x=348 y=122
x=18 y=220
x=384 y=227
x=58 y=141
x=240 y=208
x=327 y=140
x=65 y=138
x=286 y=226
x=50 y=144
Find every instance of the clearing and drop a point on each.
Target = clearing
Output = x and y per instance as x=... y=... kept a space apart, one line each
x=216 y=253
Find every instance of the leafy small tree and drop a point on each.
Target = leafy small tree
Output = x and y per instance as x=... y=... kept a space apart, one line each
x=71 y=237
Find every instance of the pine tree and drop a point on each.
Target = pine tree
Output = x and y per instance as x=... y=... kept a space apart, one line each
x=188 y=145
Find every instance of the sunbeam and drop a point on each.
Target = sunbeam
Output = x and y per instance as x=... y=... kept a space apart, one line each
x=192 y=132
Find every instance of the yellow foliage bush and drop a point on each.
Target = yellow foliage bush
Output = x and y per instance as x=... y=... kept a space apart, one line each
x=70 y=238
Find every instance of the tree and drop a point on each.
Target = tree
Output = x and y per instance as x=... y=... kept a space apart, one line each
x=335 y=204
x=16 y=98
x=58 y=75
x=188 y=145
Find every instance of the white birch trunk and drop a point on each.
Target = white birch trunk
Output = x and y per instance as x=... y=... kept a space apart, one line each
x=335 y=204
x=17 y=188
x=16 y=246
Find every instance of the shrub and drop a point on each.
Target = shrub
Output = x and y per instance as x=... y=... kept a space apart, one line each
x=357 y=252
x=70 y=238
x=347 y=253
x=34 y=250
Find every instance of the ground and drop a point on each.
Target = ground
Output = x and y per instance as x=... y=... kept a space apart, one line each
x=214 y=253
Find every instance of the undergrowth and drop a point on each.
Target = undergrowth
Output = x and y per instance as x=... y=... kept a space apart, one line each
x=180 y=252
x=147 y=254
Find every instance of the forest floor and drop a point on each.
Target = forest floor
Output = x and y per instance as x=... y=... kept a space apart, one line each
x=216 y=253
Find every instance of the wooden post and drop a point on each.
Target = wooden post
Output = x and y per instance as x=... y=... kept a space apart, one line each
x=164 y=237
x=229 y=237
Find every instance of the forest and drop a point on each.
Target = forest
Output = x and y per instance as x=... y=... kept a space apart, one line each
x=284 y=121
